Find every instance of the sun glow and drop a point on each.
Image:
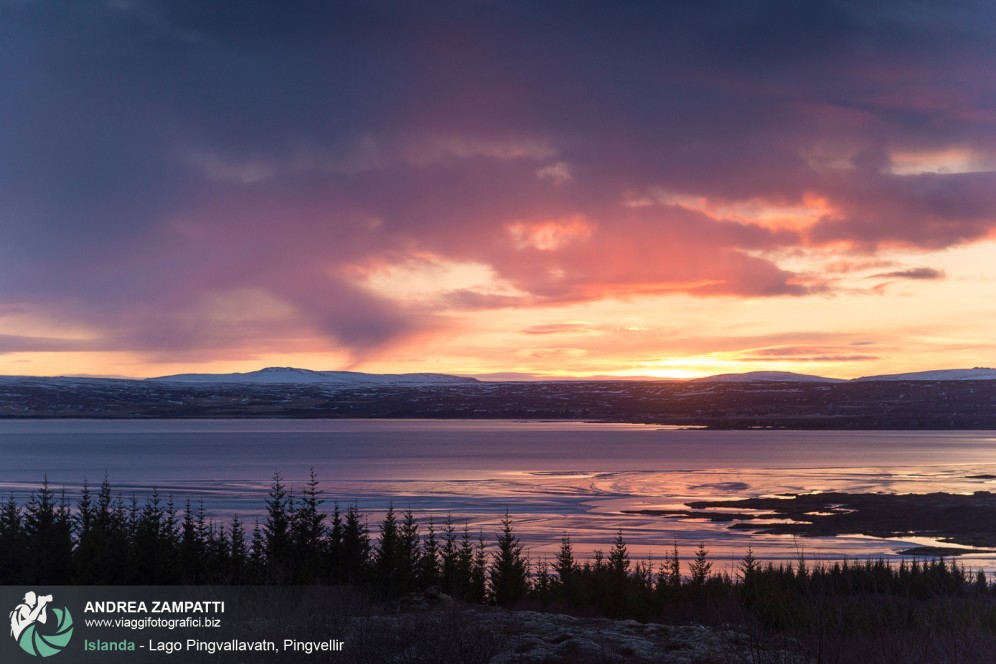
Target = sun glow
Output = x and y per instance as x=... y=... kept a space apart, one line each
x=697 y=366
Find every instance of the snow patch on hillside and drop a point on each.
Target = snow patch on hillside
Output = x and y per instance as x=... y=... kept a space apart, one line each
x=978 y=373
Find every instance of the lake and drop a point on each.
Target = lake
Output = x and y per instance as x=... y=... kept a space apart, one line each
x=553 y=477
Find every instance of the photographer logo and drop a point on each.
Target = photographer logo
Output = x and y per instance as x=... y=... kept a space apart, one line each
x=34 y=632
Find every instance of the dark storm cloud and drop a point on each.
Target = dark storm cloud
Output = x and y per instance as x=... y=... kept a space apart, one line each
x=10 y=343
x=153 y=154
x=919 y=273
x=804 y=354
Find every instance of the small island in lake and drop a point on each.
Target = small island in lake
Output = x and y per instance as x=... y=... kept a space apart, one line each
x=967 y=520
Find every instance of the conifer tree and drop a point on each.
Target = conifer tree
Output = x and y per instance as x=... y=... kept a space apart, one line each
x=543 y=585
x=598 y=565
x=64 y=522
x=700 y=567
x=151 y=553
x=565 y=568
x=508 y=571
x=170 y=537
x=674 y=568
x=11 y=543
x=48 y=539
x=131 y=524
x=191 y=556
x=111 y=556
x=643 y=573
x=309 y=532
x=203 y=527
x=749 y=566
x=333 y=546
x=83 y=521
x=355 y=547
x=257 y=553
x=238 y=552
x=981 y=584
x=277 y=532
x=409 y=550
x=618 y=576
x=386 y=562
x=218 y=564
x=465 y=565
x=479 y=572
x=92 y=532
x=428 y=572
x=449 y=558
x=619 y=558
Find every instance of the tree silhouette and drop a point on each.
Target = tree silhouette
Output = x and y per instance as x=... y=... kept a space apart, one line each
x=428 y=564
x=565 y=567
x=388 y=556
x=48 y=537
x=238 y=551
x=12 y=546
x=508 y=572
x=409 y=557
x=355 y=547
x=618 y=576
x=277 y=532
x=153 y=555
x=308 y=532
x=700 y=567
x=464 y=583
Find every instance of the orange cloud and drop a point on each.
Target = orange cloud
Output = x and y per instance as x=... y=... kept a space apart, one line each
x=550 y=235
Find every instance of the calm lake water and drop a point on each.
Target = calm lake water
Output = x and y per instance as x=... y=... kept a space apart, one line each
x=552 y=476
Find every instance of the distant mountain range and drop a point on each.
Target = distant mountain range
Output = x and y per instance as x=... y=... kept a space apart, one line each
x=282 y=375
x=290 y=375
x=956 y=399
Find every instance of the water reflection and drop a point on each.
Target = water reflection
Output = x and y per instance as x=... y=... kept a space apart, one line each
x=554 y=477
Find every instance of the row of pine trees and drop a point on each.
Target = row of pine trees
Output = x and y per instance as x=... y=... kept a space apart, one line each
x=106 y=540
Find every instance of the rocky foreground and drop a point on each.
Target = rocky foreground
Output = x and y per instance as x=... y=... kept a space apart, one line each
x=482 y=636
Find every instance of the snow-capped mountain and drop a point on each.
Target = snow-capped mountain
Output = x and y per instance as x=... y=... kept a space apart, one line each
x=978 y=373
x=767 y=376
x=275 y=375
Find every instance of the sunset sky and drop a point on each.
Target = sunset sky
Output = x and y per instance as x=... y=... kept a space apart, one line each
x=489 y=186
